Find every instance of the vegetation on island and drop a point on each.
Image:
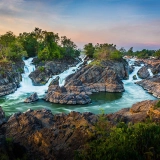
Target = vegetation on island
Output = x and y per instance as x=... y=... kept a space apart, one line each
x=110 y=52
x=43 y=44
x=124 y=141
x=102 y=51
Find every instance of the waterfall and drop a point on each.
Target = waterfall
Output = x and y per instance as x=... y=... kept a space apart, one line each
x=150 y=72
x=26 y=86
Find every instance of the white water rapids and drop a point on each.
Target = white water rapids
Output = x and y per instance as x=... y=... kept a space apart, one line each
x=109 y=102
x=26 y=86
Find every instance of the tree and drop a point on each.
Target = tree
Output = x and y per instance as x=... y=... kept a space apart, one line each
x=29 y=42
x=16 y=52
x=89 y=50
x=157 y=53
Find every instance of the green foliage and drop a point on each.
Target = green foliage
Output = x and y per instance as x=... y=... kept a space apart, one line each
x=125 y=141
x=157 y=105
x=46 y=45
x=41 y=68
x=157 y=53
x=89 y=50
x=102 y=52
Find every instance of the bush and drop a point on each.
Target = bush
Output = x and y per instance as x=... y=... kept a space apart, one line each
x=125 y=141
x=41 y=68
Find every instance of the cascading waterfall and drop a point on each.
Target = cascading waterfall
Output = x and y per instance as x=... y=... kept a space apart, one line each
x=26 y=86
x=150 y=72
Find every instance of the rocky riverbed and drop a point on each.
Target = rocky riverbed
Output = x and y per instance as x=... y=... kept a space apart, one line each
x=106 y=77
x=39 y=134
x=44 y=71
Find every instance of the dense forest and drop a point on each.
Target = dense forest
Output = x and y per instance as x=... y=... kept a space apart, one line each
x=46 y=45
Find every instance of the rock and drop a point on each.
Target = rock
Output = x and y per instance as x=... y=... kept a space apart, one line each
x=42 y=73
x=138 y=63
x=55 y=81
x=40 y=76
x=46 y=136
x=154 y=65
x=134 y=77
x=10 y=76
x=139 y=112
x=152 y=85
x=89 y=79
x=2 y=116
x=143 y=72
x=31 y=98
x=62 y=96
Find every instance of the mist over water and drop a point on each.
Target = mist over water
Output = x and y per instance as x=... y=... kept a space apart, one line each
x=109 y=102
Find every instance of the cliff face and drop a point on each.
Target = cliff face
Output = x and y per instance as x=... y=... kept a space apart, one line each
x=10 y=76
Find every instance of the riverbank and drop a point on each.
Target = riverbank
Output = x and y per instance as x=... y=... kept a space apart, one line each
x=41 y=135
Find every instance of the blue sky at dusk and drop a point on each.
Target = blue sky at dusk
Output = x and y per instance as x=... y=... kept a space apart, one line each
x=125 y=23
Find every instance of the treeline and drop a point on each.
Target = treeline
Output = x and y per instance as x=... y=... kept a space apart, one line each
x=109 y=51
x=46 y=45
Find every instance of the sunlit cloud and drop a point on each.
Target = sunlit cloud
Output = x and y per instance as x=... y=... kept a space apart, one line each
x=125 y=23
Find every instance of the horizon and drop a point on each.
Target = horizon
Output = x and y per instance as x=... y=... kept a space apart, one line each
x=123 y=23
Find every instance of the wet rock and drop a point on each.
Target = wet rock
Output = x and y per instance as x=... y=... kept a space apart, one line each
x=152 y=85
x=31 y=98
x=55 y=81
x=42 y=73
x=131 y=69
x=134 y=77
x=143 y=72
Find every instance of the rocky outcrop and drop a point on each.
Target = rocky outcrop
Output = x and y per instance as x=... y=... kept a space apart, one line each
x=139 y=112
x=42 y=73
x=143 y=72
x=154 y=65
x=31 y=98
x=152 y=85
x=10 y=76
x=60 y=95
x=105 y=77
x=95 y=78
x=46 y=136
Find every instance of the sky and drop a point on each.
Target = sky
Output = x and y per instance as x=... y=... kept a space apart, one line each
x=126 y=23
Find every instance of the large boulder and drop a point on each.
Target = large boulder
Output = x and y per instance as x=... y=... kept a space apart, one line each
x=143 y=72
x=31 y=98
x=60 y=95
x=152 y=85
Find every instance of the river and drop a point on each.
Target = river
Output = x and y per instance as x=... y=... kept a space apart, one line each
x=108 y=102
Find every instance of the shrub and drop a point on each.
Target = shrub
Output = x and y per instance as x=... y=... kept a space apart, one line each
x=41 y=68
x=125 y=141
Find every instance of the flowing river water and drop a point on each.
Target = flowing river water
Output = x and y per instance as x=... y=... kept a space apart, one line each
x=108 y=102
